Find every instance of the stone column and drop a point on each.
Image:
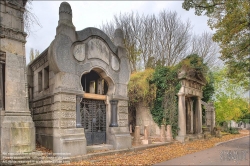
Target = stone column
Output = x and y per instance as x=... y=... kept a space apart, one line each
x=113 y=113
x=213 y=119
x=181 y=115
x=1 y=87
x=192 y=116
x=199 y=115
x=78 y=113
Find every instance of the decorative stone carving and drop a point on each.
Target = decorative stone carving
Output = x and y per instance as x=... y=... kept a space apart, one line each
x=68 y=123
x=115 y=63
x=79 y=52
x=98 y=49
x=123 y=116
x=13 y=34
x=68 y=106
x=123 y=123
x=68 y=114
x=123 y=103
x=40 y=61
x=123 y=109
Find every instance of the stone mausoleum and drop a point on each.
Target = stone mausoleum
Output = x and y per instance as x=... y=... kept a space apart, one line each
x=78 y=89
x=189 y=104
x=17 y=131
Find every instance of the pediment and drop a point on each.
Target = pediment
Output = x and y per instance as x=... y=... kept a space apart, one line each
x=193 y=75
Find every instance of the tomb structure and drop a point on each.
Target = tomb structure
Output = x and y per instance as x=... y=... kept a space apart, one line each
x=78 y=89
x=189 y=104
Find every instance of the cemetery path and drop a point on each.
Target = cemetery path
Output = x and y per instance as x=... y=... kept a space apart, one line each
x=164 y=153
x=234 y=152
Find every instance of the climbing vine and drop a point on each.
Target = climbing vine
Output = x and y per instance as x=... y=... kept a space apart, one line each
x=165 y=108
x=159 y=89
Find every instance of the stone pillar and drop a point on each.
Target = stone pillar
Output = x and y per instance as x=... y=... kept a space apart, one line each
x=199 y=115
x=163 y=133
x=188 y=116
x=1 y=87
x=192 y=117
x=169 y=133
x=137 y=140
x=181 y=117
x=213 y=119
x=113 y=113
x=146 y=135
x=78 y=113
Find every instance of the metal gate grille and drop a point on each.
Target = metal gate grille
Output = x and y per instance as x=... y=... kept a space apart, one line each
x=93 y=119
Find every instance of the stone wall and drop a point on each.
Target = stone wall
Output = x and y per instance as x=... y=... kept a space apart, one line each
x=144 y=117
x=17 y=128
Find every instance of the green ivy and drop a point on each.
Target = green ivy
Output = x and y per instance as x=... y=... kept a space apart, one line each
x=165 y=79
x=167 y=86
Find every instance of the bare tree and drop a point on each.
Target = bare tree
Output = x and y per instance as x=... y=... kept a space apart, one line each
x=205 y=47
x=173 y=37
x=29 y=18
x=162 y=39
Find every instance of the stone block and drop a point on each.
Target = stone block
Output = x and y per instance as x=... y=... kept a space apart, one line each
x=182 y=139
x=19 y=136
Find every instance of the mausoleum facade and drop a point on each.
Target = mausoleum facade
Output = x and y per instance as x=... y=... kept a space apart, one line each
x=78 y=89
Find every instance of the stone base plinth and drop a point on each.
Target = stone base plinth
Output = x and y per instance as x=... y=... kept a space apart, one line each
x=182 y=139
x=17 y=134
x=119 y=137
x=71 y=141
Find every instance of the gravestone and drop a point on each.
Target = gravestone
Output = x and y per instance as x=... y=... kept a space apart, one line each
x=137 y=139
x=163 y=133
x=169 y=133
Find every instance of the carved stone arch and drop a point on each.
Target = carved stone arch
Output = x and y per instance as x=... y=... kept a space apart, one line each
x=105 y=75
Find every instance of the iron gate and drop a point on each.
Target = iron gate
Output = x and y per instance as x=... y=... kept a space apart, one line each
x=93 y=119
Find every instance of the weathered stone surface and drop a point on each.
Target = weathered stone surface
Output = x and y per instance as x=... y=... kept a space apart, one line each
x=169 y=134
x=79 y=52
x=70 y=56
x=98 y=49
x=137 y=140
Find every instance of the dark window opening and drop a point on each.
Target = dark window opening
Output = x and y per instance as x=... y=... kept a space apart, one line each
x=2 y=86
x=40 y=77
x=46 y=78
x=93 y=83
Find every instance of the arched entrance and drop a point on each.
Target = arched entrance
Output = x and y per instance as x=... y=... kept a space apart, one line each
x=93 y=111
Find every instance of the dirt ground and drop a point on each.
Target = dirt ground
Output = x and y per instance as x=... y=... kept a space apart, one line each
x=158 y=154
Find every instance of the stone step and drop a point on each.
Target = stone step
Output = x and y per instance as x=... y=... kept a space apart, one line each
x=101 y=147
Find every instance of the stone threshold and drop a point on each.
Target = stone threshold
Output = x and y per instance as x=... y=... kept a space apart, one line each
x=112 y=152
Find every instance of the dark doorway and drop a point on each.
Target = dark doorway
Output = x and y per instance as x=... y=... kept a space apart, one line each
x=93 y=119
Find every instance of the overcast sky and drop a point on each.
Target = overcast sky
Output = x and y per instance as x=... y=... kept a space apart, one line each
x=93 y=13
